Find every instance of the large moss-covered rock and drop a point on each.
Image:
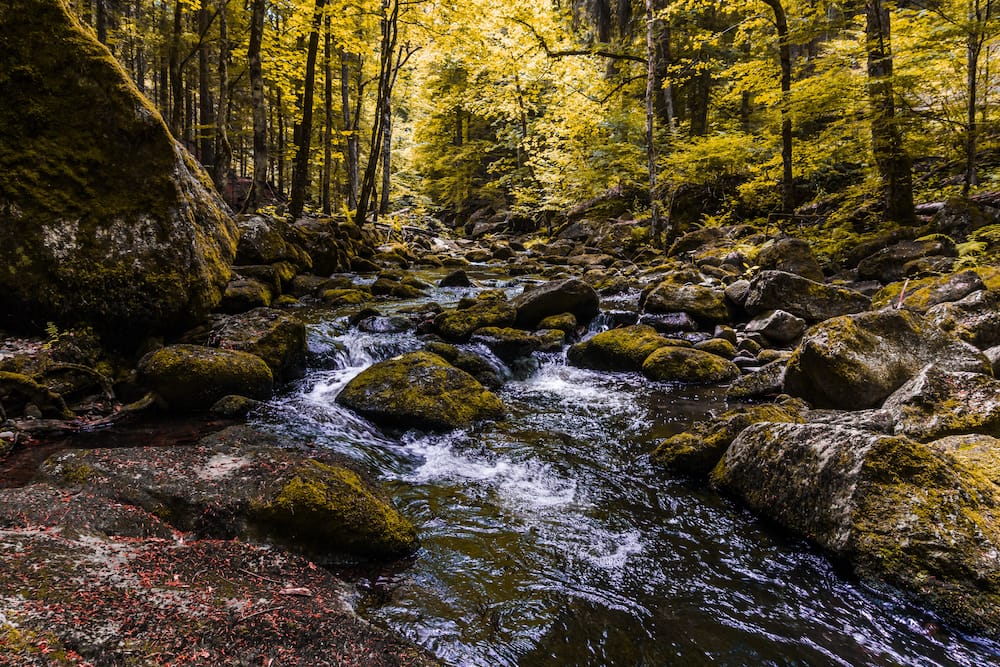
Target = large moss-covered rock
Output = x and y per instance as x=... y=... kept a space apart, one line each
x=888 y=264
x=702 y=303
x=240 y=484
x=104 y=218
x=924 y=293
x=903 y=514
x=682 y=364
x=856 y=361
x=458 y=324
x=812 y=301
x=936 y=402
x=571 y=295
x=791 y=255
x=420 y=390
x=507 y=343
x=622 y=349
x=193 y=377
x=974 y=318
x=273 y=335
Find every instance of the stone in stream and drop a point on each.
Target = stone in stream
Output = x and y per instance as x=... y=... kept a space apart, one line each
x=937 y=402
x=812 y=301
x=458 y=324
x=622 y=349
x=904 y=515
x=570 y=295
x=107 y=219
x=420 y=390
x=684 y=364
x=273 y=335
x=778 y=326
x=193 y=377
x=704 y=304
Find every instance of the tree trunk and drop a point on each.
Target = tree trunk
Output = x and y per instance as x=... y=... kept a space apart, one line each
x=350 y=129
x=223 y=149
x=174 y=65
x=650 y=123
x=383 y=206
x=785 y=58
x=894 y=167
x=101 y=9
x=258 y=187
x=663 y=98
x=281 y=144
x=300 y=175
x=328 y=120
x=206 y=106
x=973 y=49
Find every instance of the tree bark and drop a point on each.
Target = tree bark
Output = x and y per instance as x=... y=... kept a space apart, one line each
x=328 y=120
x=174 y=67
x=351 y=130
x=223 y=149
x=651 y=165
x=383 y=206
x=785 y=58
x=894 y=166
x=300 y=175
x=258 y=187
x=206 y=106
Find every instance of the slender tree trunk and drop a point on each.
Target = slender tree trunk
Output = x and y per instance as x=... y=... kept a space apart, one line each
x=785 y=58
x=139 y=53
x=258 y=187
x=654 y=205
x=174 y=64
x=328 y=120
x=389 y=36
x=223 y=149
x=383 y=206
x=300 y=176
x=206 y=106
x=894 y=164
x=101 y=9
x=973 y=49
x=350 y=129
x=282 y=130
x=663 y=99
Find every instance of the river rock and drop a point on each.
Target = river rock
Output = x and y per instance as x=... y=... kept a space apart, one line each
x=903 y=514
x=193 y=377
x=768 y=380
x=273 y=335
x=507 y=343
x=777 y=326
x=420 y=390
x=791 y=255
x=457 y=278
x=570 y=295
x=107 y=219
x=812 y=301
x=936 y=402
x=703 y=303
x=977 y=452
x=265 y=240
x=239 y=484
x=974 y=318
x=458 y=324
x=669 y=322
x=683 y=364
x=856 y=361
x=924 y=293
x=488 y=372
x=622 y=349
x=887 y=265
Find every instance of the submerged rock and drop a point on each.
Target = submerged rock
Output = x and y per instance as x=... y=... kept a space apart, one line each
x=856 y=361
x=104 y=218
x=193 y=377
x=420 y=390
x=903 y=514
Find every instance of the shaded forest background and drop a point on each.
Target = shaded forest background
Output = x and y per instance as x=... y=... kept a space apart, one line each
x=692 y=112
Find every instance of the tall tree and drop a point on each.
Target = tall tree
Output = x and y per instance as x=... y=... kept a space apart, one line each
x=258 y=188
x=785 y=58
x=223 y=149
x=206 y=106
x=300 y=173
x=894 y=165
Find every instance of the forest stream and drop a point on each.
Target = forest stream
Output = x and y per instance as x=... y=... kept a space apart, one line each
x=550 y=538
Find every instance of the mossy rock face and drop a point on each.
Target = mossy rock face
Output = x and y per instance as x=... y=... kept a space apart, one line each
x=244 y=294
x=887 y=265
x=565 y=322
x=104 y=218
x=936 y=402
x=812 y=301
x=702 y=303
x=265 y=240
x=345 y=297
x=420 y=390
x=507 y=343
x=622 y=349
x=768 y=380
x=681 y=364
x=791 y=255
x=856 y=361
x=458 y=324
x=903 y=514
x=192 y=377
x=717 y=346
x=571 y=295
x=924 y=293
x=273 y=335
x=489 y=374
x=697 y=450
x=974 y=451
x=974 y=318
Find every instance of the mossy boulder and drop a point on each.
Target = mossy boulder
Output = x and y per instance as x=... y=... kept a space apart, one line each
x=905 y=515
x=622 y=349
x=697 y=450
x=239 y=483
x=458 y=324
x=924 y=293
x=791 y=255
x=856 y=361
x=704 y=304
x=489 y=373
x=420 y=390
x=974 y=451
x=936 y=402
x=682 y=364
x=345 y=297
x=273 y=335
x=507 y=343
x=243 y=294
x=565 y=322
x=974 y=318
x=267 y=240
x=570 y=295
x=193 y=377
x=810 y=300
x=777 y=326
x=768 y=380
x=887 y=265
x=104 y=218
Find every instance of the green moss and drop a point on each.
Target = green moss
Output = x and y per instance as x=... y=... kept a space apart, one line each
x=622 y=349
x=682 y=364
x=330 y=506
x=458 y=325
x=191 y=377
x=566 y=322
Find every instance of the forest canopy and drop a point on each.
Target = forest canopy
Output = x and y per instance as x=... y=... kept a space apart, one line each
x=697 y=112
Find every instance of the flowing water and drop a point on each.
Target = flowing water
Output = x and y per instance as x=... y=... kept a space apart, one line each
x=551 y=539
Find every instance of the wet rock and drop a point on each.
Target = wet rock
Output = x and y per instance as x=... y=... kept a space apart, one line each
x=777 y=326
x=265 y=240
x=974 y=318
x=792 y=256
x=345 y=297
x=420 y=390
x=193 y=377
x=234 y=407
x=669 y=322
x=489 y=373
x=457 y=278
x=768 y=380
x=812 y=301
x=384 y=324
x=737 y=292
x=903 y=514
x=922 y=294
x=565 y=322
x=936 y=402
x=273 y=335
x=856 y=361
x=245 y=294
x=717 y=346
x=622 y=349
x=458 y=324
x=570 y=295
x=681 y=364
x=506 y=343
x=704 y=304
x=887 y=264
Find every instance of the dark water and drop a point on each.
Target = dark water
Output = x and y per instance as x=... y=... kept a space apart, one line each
x=550 y=539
